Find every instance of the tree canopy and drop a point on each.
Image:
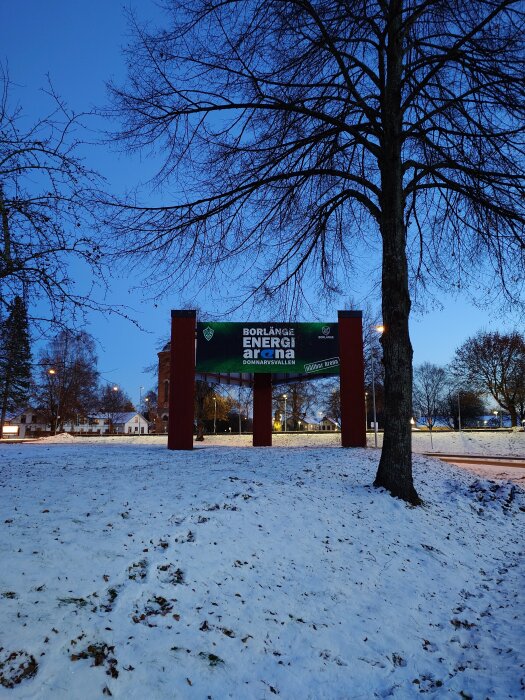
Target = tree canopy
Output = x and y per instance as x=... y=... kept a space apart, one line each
x=67 y=385
x=494 y=363
x=51 y=250
x=298 y=135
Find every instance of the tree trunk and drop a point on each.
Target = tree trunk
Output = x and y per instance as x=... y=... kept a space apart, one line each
x=395 y=466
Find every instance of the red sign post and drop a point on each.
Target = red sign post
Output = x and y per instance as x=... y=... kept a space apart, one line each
x=352 y=379
x=182 y=380
x=262 y=410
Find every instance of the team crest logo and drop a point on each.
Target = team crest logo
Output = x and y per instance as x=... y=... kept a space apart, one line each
x=208 y=333
x=325 y=330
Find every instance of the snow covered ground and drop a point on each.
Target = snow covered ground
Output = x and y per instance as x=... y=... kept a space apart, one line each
x=228 y=572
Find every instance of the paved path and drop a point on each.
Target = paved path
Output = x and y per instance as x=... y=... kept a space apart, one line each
x=488 y=466
x=490 y=460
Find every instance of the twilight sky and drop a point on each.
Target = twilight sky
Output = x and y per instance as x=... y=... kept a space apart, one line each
x=78 y=43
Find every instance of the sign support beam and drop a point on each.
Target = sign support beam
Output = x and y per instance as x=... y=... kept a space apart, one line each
x=262 y=410
x=182 y=380
x=352 y=384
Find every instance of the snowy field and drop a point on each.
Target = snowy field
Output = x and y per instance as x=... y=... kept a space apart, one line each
x=227 y=572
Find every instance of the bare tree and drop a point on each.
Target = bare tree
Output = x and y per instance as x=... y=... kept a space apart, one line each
x=494 y=363
x=430 y=391
x=300 y=397
x=204 y=393
x=299 y=132
x=66 y=387
x=49 y=214
x=332 y=402
x=112 y=402
x=464 y=408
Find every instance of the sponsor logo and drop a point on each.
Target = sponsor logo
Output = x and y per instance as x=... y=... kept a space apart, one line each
x=325 y=330
x=321 y=365
x=208 y=333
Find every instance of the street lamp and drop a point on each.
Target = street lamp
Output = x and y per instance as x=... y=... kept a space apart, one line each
x=215 y=415
x=285 y=396
x=378 y=329
x=52 y=372
x=459 y=412
x=140 y=398
x=240 y=416
x=500 y=417
x=366 y=411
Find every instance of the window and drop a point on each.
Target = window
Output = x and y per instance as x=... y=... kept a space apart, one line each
x=22 y=419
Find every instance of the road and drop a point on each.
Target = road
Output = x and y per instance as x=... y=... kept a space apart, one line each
x=488 y=466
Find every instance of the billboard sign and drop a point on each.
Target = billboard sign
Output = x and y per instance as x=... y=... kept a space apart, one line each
x=292 y=348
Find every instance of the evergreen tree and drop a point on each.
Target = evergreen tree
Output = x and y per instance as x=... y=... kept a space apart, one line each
x=15 y=361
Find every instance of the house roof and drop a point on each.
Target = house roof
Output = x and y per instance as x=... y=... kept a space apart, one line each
x=11 y=415
x=330 y=420
x=125 y=417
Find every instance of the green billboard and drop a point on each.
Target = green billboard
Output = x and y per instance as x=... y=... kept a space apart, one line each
x=294 y=348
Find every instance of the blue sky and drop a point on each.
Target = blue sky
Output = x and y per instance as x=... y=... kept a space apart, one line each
x=79 y=42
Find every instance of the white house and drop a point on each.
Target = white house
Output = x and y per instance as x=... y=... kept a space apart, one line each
x=130 y=423
x=28 y=423
x=327 y=423
x=309 y=423
x=22 y=424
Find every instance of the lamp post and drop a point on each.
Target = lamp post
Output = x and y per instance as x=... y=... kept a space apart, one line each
x=240 y=425
x=51 y=374
x=215 y=415
x=112 y=410
x=378 y=329
x=366 y=411
x=500 y=417
x=140 y=398
x=285 y=396
x=459 y=412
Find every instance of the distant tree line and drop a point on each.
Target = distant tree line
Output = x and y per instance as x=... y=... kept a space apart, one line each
x=63 y=385
x=487 y=366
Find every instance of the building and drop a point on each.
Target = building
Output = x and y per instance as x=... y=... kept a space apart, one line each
x=29 y=423
x=327 y=423
x=24 y=424
x=130 y=424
